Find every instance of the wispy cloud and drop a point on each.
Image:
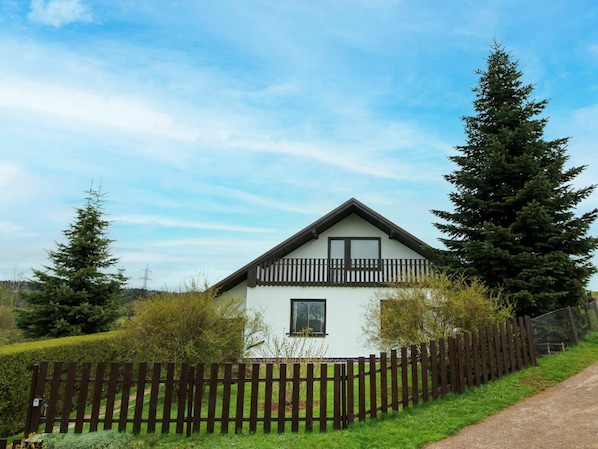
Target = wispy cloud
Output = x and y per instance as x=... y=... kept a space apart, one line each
x=170 y=223
x=58 y=13
x=96 y=108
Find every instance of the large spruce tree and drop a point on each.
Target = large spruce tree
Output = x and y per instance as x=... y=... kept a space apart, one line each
x=76 y=294
x=514 y=223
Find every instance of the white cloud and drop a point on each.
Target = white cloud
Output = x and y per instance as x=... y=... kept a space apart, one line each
x=170 y=223
x=58 y=12
x=9 y=173
x=96 y=108
x=13 y=229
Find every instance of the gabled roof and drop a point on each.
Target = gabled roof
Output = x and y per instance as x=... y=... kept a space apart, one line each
x=315 y=229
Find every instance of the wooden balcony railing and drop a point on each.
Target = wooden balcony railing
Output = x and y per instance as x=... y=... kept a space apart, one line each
x=338 y=272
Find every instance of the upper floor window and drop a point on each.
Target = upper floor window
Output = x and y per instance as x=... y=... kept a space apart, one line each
x=357 y=252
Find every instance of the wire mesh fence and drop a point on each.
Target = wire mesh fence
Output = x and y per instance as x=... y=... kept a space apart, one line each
x=559 y=329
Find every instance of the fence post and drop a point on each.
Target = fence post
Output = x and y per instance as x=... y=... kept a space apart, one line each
x=37 y=391
x=587 y=309
x=573 y=328
x=530 y=340
x=338 y=393
x=344 y=383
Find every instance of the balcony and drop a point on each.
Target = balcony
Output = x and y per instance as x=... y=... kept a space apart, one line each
x=337 y=272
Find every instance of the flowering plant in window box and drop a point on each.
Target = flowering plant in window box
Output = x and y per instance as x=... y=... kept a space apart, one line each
x=307 y=331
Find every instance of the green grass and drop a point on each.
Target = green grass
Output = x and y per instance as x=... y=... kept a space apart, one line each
x=414 y=427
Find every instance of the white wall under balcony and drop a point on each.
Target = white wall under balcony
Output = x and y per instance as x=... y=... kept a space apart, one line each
x=344 y=309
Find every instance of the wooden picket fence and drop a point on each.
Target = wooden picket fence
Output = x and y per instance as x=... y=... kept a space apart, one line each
x=252 y=397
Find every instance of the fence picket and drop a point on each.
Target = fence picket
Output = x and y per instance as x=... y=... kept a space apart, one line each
x=350 y=392
x=524 y=345
x=394 y=381
x=268 y=398
x=361 y=388
x=434 y=369
x=424 y=369
x=504 y=341
x=240 y=398
x=182 y=397
x=282 y=383
x=475 y=357
x=154 y=394
x=383 y=383
x=69 y=386
x=414 y=377
x=255 y=388
x=497 y=351
x=295 y=398
x=337 y=395
x=443 y=368
x=461 y=363
x=518 y=346
x=226 y=384
x=198 y=396
x=212 y=397
x=141 y=381
x=126 y=395
x=168 y=389
x=323 y=396
x=309 y=397
x=83 y=390
x=404 y=378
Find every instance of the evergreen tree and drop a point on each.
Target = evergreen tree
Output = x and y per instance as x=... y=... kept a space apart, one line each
x=76 y=295
x=514 y=223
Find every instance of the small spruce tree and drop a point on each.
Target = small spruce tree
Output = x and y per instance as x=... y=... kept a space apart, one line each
x=76 y=294
x=514 y=224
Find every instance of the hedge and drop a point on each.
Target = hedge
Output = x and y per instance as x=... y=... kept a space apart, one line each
x=17 y=360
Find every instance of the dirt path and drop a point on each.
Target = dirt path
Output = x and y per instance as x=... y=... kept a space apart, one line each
x=562 y=417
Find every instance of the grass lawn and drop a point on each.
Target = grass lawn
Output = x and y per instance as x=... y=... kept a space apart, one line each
x=415 y=426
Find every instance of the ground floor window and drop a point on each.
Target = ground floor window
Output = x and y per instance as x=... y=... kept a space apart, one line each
x=308 y=316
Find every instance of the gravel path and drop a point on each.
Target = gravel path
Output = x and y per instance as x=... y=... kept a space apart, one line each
x=562 y=417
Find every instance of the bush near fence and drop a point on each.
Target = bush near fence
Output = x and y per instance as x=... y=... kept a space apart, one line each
x=16 y=362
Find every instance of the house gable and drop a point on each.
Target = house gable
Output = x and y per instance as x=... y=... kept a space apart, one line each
x=351 y=219
x=354 y=226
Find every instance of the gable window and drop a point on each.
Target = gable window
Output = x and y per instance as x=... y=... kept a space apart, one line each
x=308 y=314
x=355 y=252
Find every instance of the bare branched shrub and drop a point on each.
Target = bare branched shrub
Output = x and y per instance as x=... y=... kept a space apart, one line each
x=293 y=350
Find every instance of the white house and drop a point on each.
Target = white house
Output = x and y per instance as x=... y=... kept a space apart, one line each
x=320 y=278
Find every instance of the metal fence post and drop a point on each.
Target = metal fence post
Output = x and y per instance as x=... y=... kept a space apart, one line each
x=573 y=326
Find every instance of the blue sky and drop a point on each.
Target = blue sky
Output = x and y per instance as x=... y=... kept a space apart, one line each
x=219 y=129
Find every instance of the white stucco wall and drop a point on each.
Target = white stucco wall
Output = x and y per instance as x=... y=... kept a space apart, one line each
x=344 y=308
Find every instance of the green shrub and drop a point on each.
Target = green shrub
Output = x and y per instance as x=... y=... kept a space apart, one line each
x=109 y=439
x=188 y=326
x=17 y=361
x=439 y=306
